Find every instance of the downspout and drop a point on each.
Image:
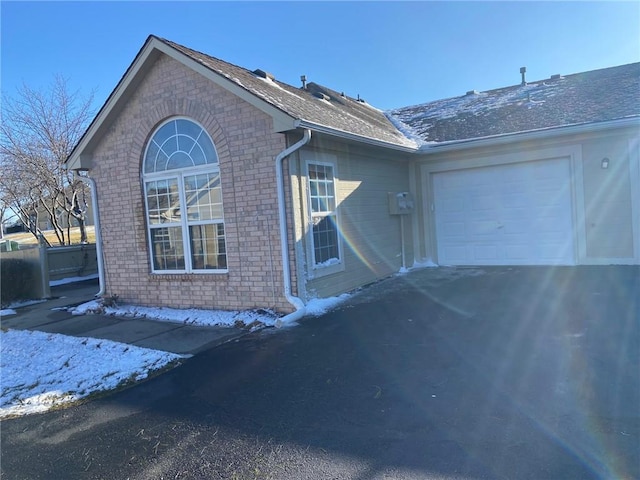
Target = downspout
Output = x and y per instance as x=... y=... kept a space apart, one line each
x=284 y=244
x=96 y=224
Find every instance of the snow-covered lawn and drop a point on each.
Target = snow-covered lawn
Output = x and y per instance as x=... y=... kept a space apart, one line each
x=40 y=371
x=46 y=370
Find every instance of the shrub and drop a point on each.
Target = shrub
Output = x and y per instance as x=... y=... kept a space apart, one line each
x=16 y=280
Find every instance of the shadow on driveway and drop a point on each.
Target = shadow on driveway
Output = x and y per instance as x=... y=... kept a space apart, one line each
x=506 y=373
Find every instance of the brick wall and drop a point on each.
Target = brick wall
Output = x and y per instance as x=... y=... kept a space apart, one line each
x=246 y=148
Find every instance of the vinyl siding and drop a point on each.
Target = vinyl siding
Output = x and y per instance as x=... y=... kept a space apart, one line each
x=608 y=220
x=605 y=202
x=371 y=238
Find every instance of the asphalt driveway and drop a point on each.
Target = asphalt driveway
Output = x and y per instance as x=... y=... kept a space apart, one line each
x=523 y=373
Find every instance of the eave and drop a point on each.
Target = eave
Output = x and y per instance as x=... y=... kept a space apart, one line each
x=540 y=134
x=81 y=156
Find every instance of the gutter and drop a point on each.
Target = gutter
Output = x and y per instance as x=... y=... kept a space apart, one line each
x=544 y=133
x=353 y=137
x=96 y=222
x=284 y=244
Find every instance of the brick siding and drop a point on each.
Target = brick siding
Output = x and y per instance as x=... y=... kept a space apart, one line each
x=246 y=148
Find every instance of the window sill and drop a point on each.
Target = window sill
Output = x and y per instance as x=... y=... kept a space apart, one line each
x=324 y=270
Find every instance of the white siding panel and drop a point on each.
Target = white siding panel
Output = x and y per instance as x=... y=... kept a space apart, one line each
x=515 y=214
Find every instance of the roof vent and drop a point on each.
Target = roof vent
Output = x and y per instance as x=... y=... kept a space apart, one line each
x=472 y=92
x=263 y=74
x=557 y=76
x=303 y=79
x=322 y=96
x=523 y=70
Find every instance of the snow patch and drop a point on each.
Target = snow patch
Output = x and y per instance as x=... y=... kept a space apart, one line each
x=327 y=263
x=406 y=130
x=320 y=306
x=424 y=264
x=63 y=369
x=273 y=84
x=24 y=303
x=7 y=311
x=253 y=319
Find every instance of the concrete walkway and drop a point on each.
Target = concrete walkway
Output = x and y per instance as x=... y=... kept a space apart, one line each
x=52 y=316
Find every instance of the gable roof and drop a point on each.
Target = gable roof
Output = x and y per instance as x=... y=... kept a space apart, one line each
x=588 y=98
x=579 y=99
x=316 y=106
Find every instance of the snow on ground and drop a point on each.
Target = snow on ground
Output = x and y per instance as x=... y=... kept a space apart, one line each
x=10 y=309
x=191 y=316
x=320 y=306
x=254 y=319
x=41 y=370
x=63 y=369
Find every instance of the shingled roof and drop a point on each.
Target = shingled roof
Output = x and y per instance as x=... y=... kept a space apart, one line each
x=315 y=105
x=578 y=99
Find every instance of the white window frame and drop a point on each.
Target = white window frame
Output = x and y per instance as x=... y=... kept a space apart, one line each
x=184 y=223
x=323 y=268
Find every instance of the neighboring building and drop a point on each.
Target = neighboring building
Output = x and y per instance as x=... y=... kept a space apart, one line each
x=234 y=190
x=63 y=219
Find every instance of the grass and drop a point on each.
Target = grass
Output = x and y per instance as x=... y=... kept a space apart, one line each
x=26 y=238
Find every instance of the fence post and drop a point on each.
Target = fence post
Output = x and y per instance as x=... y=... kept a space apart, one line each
x=44 y=267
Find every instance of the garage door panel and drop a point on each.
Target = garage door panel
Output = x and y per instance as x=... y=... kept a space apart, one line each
x=552 y=252
x=452 y=254
x=517 y=253
x=521 y=238
x=517 y=214
x=486 y=252
x=483 y=228
x=454 y=229
x=515 y=200
x=484 y=202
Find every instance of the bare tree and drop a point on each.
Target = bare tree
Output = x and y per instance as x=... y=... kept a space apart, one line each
x=37 y=133
x=3 y=209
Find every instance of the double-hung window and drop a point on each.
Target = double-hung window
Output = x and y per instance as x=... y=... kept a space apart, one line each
x=325 y=235
x=183 y=198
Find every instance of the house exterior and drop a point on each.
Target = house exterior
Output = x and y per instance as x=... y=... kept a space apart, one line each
x=218 y=187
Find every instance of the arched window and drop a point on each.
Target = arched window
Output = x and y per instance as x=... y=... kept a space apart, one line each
x=183 y=198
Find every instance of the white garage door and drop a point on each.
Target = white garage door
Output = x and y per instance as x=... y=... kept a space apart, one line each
x=516 y=214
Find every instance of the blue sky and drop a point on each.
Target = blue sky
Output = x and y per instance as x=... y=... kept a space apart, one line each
x=392 y=54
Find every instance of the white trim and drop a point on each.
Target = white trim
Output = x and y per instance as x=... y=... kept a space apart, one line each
x=80 y=156
x=427 y=171
x=319 y=270
x=296 y=302
x=542 y=134
x=179 y=175
x=634 y=172
x=579 y=202
x=316 y=127
x=281 y=118
x=98 y=232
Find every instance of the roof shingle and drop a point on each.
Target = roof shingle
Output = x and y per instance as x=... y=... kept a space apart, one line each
x=338 y=112
x=582 y=98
